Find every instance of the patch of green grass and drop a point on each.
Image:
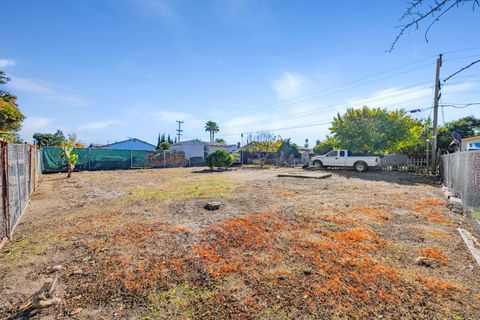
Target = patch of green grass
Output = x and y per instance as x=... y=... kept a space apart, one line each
x=188 y=188
x=23 y=251
x=176 y=303
x=475 y=213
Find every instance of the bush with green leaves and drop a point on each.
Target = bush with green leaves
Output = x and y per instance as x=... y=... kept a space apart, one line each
x=219 y=159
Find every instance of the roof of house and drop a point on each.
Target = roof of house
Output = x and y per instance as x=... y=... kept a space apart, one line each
x=186 y=141
x=202 y=142
x=131 y=139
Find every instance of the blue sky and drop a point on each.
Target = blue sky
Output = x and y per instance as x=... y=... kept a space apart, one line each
x=112 y=69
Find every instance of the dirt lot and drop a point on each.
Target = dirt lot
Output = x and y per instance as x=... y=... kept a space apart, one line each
x=139 y=245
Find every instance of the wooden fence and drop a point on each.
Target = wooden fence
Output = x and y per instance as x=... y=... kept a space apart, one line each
x=418 y=166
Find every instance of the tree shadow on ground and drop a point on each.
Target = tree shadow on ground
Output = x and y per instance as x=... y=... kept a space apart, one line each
x=403 y=178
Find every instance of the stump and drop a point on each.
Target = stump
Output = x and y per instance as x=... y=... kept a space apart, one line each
x=211 y=206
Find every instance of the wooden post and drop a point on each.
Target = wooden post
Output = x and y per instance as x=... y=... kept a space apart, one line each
x=436 y=98
x=4 y=146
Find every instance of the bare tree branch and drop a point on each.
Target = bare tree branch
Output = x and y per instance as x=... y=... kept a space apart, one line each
x=435 y=10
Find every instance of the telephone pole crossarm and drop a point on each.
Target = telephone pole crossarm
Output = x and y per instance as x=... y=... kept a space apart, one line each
x=179 y=130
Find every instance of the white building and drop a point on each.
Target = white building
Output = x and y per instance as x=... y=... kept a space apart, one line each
x=196 y=151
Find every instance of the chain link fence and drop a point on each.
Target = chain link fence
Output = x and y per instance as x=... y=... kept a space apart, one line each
x=461 y=174
x=20 y=169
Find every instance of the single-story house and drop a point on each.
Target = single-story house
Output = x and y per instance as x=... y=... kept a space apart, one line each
x=466 y=141
x=130 y=144
x=196 y=150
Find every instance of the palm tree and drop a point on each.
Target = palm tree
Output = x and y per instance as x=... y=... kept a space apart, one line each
x=212 y=127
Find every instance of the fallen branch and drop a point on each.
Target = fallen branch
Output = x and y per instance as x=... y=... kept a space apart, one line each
x=43 y=298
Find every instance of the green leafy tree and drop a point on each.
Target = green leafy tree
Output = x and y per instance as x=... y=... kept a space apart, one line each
x=262 y=145
x=10 y=116
x=48 y=139
x=163 y=146
x=467 y=127
x=219 y=159
x=376 y=130
x=288 y=148
x=68 y=154
x=212 y=127
x=160 y=140
x=220 y=141
x=325 y=146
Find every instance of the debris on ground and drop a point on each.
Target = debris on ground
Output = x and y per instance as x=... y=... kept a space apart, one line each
x=472 y=243
x=42 y=299
x=305 y=175
x=212 y=206
x=455 y=204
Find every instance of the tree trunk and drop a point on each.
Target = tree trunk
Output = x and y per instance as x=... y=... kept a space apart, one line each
x=70 y=170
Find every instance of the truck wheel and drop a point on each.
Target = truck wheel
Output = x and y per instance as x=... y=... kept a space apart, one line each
x=360 y=166
x=317 y=164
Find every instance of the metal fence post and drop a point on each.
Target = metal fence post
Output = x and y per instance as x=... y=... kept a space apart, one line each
x=131 y=159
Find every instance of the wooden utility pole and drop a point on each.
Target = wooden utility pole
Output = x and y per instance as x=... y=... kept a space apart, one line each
x=179 y=130
x=436 y=98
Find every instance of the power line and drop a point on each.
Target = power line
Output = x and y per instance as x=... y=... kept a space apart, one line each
x=302 y=114
x=316 y=94
x=325 y=122
x=462 y=69
x=461 y=50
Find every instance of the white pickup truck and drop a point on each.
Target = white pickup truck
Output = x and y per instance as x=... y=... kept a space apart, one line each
x=344 y=158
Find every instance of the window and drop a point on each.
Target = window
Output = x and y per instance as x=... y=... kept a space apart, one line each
x=332 y=154
x=342 y=153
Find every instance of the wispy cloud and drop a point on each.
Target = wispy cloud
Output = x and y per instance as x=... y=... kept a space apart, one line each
x=33 y=125
x=97 y=125
x=170 y=117
x=47 y=90
x=7 y=63
x=289 y=85
x=413 y=96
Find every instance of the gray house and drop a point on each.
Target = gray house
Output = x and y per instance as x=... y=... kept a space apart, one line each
x=196 y=150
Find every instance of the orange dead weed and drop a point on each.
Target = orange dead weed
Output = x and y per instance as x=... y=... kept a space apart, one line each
x=434 y=253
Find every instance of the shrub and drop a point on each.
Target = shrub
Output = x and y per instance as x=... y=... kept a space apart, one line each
x=218 y=158
x=234 y=157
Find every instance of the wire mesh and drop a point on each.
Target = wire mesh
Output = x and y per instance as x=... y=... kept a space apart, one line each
x=461 y=174
x=19 y=175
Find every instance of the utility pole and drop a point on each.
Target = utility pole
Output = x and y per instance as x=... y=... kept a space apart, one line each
x=179 y=130
x=435 y=114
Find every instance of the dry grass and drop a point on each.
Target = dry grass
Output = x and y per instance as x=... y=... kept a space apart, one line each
x=277 y=249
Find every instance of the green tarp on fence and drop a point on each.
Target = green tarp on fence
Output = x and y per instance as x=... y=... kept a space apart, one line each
x=94 y=159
